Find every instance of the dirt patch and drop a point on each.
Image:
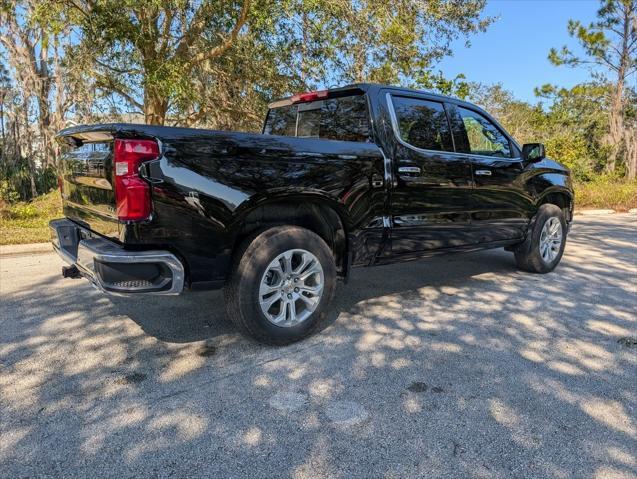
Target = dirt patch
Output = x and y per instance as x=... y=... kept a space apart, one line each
x=628 y=341
x=133 y=378
x=420 y=387
x=417 y=387
x=206 y=351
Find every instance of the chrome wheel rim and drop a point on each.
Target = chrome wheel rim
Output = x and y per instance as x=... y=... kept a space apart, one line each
x=551 y=239
x=291 y=287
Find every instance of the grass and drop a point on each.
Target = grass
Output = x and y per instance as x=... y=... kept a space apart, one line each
x=606 y=193
x=28 y=222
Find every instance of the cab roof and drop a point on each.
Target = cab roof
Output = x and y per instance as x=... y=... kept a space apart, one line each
x=354 y=89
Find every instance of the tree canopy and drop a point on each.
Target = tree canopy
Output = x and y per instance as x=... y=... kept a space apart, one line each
x=167 y=59
x=217 y=64
x=610 y=52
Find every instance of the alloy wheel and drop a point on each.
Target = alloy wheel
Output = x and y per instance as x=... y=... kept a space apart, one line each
x=291 y=287
x=551 y=239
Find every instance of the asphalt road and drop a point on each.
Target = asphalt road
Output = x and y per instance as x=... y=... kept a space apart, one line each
x=458 y=366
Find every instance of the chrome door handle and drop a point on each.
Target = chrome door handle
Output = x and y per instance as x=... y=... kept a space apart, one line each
x=483 y=172
x=377 y=181
x=409 y=169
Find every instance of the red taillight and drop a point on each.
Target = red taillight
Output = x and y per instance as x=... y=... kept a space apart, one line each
x=132 y=193
x=310 y=96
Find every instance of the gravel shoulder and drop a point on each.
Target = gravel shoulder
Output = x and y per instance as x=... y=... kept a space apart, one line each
x=456 y=366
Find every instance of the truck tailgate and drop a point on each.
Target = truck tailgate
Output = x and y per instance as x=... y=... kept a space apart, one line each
x=86 y=173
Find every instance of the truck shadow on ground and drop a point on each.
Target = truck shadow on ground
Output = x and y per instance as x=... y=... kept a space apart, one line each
x=198 y=316
x=459 y=366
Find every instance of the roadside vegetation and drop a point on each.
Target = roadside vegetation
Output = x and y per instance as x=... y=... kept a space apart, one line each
x=28 y=221
x=606 y=193
x=218 y=64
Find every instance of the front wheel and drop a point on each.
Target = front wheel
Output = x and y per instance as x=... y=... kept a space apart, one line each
x=543 y=248
x=282 y=282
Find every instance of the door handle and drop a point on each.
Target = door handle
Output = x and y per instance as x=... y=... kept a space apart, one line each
x=377 y=181
x=483 y=172
x=409 y=169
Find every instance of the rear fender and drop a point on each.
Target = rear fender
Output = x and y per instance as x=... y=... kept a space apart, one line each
x=315 y=211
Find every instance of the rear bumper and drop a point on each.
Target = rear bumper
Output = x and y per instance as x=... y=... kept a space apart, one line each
x=111 y=268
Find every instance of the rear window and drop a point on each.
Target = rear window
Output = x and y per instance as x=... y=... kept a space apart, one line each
x=345 y=119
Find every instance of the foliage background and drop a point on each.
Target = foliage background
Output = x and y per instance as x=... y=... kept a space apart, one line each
x=217 y=64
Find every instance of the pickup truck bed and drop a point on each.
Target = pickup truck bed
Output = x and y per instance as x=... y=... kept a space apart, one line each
x=206 y=182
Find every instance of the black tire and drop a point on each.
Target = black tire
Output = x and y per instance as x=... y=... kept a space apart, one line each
x=250 y=264
x=528 y=256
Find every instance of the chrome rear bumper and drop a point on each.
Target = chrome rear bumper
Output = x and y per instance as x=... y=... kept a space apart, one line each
x=111 y=268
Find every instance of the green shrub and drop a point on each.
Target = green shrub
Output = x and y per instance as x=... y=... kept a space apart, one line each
x=15 y=180
x=606 y=192
x=28 y=222
x=8 y=192
x=24 y=211
x=573 y=152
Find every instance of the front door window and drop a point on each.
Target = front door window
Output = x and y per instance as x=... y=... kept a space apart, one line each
x=482 y=136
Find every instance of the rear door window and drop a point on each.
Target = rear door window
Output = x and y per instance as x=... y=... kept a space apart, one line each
x=345 y=119
x=423 y=123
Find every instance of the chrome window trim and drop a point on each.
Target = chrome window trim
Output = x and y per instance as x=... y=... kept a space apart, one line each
x=396 y=130
x=387 y=169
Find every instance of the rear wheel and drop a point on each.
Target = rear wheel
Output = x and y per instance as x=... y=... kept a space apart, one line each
x=281 y=284
x=543 y=248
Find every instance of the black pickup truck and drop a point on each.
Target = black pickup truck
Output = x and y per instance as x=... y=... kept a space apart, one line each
x=356 y=176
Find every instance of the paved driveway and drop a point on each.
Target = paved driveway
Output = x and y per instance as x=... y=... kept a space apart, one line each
x=459 y=366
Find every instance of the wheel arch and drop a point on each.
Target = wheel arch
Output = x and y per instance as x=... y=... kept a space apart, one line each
x=321 y=215
x=561 y=197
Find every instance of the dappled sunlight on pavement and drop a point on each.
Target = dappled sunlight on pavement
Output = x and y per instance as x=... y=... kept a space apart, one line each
x=456 y=366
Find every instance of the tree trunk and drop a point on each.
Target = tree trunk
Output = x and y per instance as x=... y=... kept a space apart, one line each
x=29 y=149
x=43 y=89
x=44 y=125
x=616 y=125
x=618 y=133
x=57 y=118
x=4 y=140
x=17 y=147
x=155 y=107
x=304 y=42
x=631 y=153
x=359 y=64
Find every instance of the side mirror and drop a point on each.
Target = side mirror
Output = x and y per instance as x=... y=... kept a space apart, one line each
x=533 y=152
